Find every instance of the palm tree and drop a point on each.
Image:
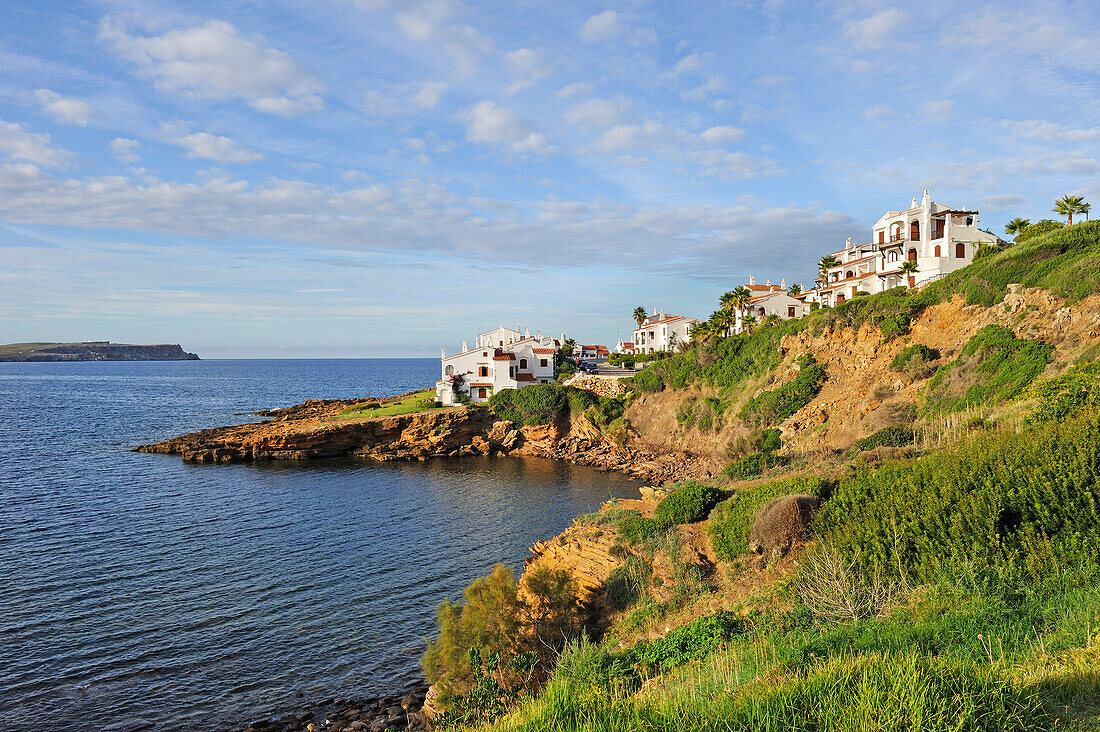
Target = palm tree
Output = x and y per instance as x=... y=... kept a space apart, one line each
x=748 y=322
x=639 y=315
x=1014 y=227
x=1085 y=208
x=701 y=331
x=727 y=301
x=1068 y=205
x=909 y=267
x=825 y=264
x=795 y=289
x=724 y=320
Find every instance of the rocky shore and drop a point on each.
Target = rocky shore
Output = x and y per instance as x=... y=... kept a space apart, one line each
x=319 y=429
x=361 y=714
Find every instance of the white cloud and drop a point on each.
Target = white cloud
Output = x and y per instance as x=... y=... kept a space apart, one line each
x=66 y=109
x=736 y=164
x=878 y=113
x=19 y=143
x=216 y=147
x=721 y=135
x=126 y=150
x=487 y=123
x=602 y=113
x=601 y=27
x=526 y=67
x=879 y=30
x=1051 y=131
x=213 y=61
x=619 y=137
x=701 y=92
x=428 y=93
x=577 y=89
x=938 y=108
x=438 y=22
x=689 y=63
x=415 y=216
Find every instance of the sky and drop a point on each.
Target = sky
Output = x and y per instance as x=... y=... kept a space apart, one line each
x=372 y=178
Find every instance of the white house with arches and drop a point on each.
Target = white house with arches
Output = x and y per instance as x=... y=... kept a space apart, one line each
x=500 y=359
x=661 y=332
x=939 y=238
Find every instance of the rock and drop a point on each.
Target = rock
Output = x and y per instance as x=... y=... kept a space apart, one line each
x=357 y=725
x=409 y=700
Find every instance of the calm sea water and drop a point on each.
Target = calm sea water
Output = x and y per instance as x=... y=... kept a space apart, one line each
x=140 y=589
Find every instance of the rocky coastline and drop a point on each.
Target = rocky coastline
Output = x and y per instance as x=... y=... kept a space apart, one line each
x=317 y=429
x=402 y=711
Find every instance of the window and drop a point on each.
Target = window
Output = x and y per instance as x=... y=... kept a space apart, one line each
x=960 y=251
x=485 y=354
x=523 y=363
x=893 y=256
x=511 y=372
x=849 y=273
x=790 y=308
x=450 y=371
x=939 y=223
x=482 y=370
x=914 y=231
x=542 y=362
x=937 y=250
x=839 y=299
x=882 y=237
x=482 y=393
x=912 y=255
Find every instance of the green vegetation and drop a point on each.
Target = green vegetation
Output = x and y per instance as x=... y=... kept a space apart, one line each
x=752 y=466
x=541 y=403
x=1064 y=395
x=1037 y=229
x=993 y=367
x=894 y=436
x=687 y=503
x=776 y=405
x=731 y=520
x=415 y=402
x=913 y=353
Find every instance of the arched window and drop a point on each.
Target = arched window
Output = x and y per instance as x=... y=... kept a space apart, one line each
x=893 y=256
x=937 y=250
x=960 y=251
x=914 y=231
x=895 y=232
x=839 y=299
x=523 y=363
x=849 y=273
x=450 y=371
x=912 y=255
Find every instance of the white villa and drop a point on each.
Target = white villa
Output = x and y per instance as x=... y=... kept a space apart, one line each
x=592 y=353
x=940 y=239
x=769 y=299
x=500 y=359
x=661 y=332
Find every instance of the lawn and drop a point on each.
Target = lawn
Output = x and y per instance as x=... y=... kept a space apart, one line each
x=416 y=402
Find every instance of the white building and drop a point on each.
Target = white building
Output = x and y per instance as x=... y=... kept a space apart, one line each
x=662 y=332
x=500 y=359
x=591 y=353
x=769 y=299
x=940 y=239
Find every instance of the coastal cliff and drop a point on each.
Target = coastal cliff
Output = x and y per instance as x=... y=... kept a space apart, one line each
x=93 y=351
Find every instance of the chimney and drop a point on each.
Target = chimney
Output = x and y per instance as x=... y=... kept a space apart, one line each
x=913 y=204
x=464 y=348
x=783 y=284
x=443 y=353
x=752 y=279
x=927 y=199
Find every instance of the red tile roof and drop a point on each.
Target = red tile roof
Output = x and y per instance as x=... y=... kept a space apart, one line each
x=543 y=350
x=505 y=357
x=481 y=383
x=525 y=377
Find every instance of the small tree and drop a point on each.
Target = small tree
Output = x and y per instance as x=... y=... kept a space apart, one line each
x=639 y=315
x=825 y=264
x=909 y=267
x=795 y=289
x=748 y=322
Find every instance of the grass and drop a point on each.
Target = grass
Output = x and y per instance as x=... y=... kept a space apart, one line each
x=415 y=402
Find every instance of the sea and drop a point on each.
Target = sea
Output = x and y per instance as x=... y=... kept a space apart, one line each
x=141 y=592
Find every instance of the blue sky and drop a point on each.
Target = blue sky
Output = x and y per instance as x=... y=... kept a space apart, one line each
x=378 y=178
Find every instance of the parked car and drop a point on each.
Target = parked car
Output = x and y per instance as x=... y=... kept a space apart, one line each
x=590 y=367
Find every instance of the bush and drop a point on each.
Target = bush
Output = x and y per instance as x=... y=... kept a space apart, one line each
x=695 y=640
x=688 y=503
x=636 y=528
x=993 y=367
x=917 y=352
x=772 y=440
x=540 y=403
x=1003 y=504
x=753 y=466
x=1037 y=229
x=731 y=520
x=1076 y=390
x=776 y=405
x=895 y=436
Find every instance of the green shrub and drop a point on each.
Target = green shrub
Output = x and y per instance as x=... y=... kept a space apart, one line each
x=772 y=440
x=1037 y=229
x=635 y=528
x=688 y=642
x=688 y=503
x=999 y=503
x=540 y=403
x=895 y=436
x=993 y=367
x=753 y=466
x=914 y=352
x=772 y=407
x=731 y=520
x=627 y=583
x=1076 y=390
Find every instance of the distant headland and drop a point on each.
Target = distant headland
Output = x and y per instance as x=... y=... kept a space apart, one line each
x=93 y=351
